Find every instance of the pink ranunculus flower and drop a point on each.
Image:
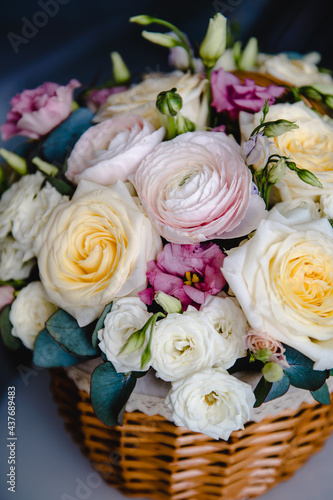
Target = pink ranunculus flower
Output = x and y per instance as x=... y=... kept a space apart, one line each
x=230 y=95
x=36 y=112
x=257 y=341
x=97 y=97
x=6 y=296
x=189 y=272
x=197 y=187
x=112 y=150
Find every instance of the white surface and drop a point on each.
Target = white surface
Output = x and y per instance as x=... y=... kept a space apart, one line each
x=50 y=466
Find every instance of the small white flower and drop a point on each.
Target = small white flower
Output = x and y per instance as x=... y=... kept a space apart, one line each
x=127 y=315
x=183 y=344
x=29 y=313
x=230 y=322
x=212 y=402
x=326 y=205
x=12 y=265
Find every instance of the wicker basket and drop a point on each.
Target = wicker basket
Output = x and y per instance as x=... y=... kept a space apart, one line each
x=151 y=457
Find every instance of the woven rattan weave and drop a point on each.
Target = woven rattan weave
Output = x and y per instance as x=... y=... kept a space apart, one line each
x=150 y=457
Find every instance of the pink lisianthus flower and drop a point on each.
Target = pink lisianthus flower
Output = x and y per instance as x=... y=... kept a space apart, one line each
x=230 y=95
x=188 y=272
x=6 y=296
x=257 y=341
x=97 y=97
x=36 y=112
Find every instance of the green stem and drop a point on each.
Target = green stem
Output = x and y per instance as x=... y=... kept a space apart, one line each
x=209 y=94
x=172 y=132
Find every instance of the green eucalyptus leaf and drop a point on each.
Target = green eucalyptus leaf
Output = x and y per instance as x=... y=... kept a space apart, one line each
x=322 y=395
x=261 y=391
x=331 y=372
x=70 y=336
x=48 y=353
x=9 y=340
x=110 y=392
x=279 y=388
x=100 y=324
x=301 y=373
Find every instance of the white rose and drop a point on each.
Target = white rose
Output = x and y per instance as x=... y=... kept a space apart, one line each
x=183 y=344
x=29 y=313
x=112 y=150
x=25 y=208
x=127 y=315
x=141 y=98
x=310 y=146
x=12 y=265
x=212 y=402
x=326 y=205
x=230 y=322
x=283 y=280
x=297 y=72
x=95 y=248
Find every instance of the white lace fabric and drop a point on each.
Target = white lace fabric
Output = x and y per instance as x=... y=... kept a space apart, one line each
x=150 y=392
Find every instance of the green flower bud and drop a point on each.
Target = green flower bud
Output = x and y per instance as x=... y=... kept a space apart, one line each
x=213 y=45
x=15 y=161
x=277 y=171
x=308 y=177
x=120 y=71
x=134 y=343
x=184 y=125
x=160 y=38
x=249 y=56
x=329 y=101
x=273 y=372
x=143 y=20
x=169 y=102
x=45 y=167
x=168 y=303
x=323 y=88
x=263 y=355
x=279 y=127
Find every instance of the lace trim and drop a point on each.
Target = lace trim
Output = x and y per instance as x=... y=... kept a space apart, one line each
x=150 y=392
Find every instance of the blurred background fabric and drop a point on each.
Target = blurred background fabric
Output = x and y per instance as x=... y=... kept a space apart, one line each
x=57 y=40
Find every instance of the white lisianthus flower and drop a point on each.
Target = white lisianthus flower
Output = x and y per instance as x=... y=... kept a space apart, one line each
x=183 y=344
x=95 y=248
x=29 y=313
x=310 y=146
x=127 y=315
x=12 y=265
x=230 y=322
x=297 y=72
x=326 y=205
x=283 y=280
x=212 y=402
x=25 y=208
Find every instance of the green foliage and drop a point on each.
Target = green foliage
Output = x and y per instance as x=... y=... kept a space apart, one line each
x=48 y=353
x=100 y=324
x=11 y=342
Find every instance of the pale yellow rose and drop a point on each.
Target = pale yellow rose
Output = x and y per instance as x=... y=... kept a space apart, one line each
x=310 y=146
x=140 y=99
x=94 y=249
x=283 y=280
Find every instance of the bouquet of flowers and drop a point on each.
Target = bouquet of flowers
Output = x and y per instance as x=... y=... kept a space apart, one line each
x=180 y=225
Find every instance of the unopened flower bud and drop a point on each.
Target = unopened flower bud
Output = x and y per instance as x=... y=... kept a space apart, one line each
x=120 y=71
x=248 y=58
x=308 y=177
x=329 y=101
x=277 y=171
x=279 y=127
x=134 y=343
x=15 y=161
x=168 y=303
x=263 y=355
x=273 y=372
x=169 y=102
x=160 y=38
x=143 y=20
x=184 y=124
x=213 y=45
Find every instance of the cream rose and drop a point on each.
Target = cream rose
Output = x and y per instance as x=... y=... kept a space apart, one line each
x=197 y=187
x=112 y=150
x=212 y=402
x=183 y=344
x=141 y=98
x=29 y=313
x=310 y=147
x=230 y=322
x=127 y=315
x=94 y=249
x=297 y=72
x=283 y=280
